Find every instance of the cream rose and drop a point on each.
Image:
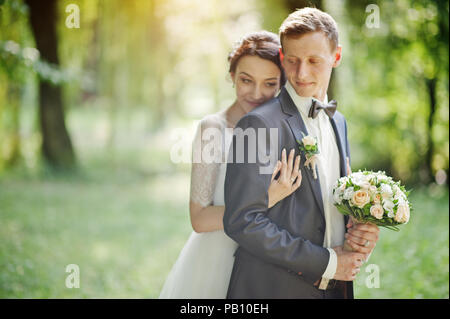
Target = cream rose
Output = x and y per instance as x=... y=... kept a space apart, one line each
x=377 y=211
x=309 y=140
x=360 y=198
x=402 y=215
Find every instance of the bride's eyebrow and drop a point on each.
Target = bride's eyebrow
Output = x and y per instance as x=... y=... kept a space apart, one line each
x=242 y=72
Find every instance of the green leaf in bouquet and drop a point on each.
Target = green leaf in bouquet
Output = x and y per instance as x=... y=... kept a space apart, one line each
x=394 y=228
x=361 y=213
x=390 y=224
x=366 y=209
x=407 y=192
x=343 y=209
x=386 y=223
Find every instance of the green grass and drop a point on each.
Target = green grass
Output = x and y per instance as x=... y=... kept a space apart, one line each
x=124 y=230
x=412 y=263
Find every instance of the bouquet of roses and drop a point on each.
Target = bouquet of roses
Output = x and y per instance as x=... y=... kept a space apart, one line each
x=370 y=197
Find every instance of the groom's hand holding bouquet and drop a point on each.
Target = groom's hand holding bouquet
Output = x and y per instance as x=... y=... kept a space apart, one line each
x=360 y=240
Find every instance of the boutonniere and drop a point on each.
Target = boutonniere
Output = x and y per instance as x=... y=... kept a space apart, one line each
x=308 y=145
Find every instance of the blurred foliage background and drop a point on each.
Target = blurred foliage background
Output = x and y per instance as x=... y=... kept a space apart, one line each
x=89 y=116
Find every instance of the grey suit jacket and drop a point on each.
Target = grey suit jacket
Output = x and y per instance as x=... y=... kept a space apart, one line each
x=276 y=244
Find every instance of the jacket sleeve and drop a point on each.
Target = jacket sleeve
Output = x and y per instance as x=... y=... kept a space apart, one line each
x=246 y=206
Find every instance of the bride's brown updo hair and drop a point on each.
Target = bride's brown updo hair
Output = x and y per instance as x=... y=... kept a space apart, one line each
x=263 y=44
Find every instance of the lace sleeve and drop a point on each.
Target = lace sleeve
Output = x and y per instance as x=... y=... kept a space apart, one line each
x=205 y=160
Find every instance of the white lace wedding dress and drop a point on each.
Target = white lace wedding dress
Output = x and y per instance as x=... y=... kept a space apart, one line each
x=203 y=268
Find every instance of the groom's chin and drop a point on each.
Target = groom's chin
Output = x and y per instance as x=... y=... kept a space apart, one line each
x=305 y=91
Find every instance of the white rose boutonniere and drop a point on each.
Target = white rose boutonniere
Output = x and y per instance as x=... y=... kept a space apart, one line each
x=308 y=145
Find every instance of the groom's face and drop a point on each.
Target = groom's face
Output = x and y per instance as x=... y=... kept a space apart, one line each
x=308 y=62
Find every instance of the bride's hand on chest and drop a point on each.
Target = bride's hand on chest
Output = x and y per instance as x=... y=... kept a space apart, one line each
x=289 y=179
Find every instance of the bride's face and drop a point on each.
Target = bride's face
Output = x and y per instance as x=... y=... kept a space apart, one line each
x=256 y=80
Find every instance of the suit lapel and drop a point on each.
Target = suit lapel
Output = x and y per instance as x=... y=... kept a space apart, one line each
x=297 y=126
x=343 y=162
x=339 y=142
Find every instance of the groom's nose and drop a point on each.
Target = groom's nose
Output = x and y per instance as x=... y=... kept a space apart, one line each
x=302 y=71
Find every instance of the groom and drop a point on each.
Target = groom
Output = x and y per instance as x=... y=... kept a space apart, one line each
x=294 y=249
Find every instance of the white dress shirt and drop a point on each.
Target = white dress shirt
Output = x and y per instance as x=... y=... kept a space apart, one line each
x=328 y=173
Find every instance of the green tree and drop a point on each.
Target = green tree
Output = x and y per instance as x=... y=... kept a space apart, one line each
x=56 y=143
x=400 y=73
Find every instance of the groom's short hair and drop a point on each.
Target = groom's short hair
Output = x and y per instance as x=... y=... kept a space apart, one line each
x=307 y=20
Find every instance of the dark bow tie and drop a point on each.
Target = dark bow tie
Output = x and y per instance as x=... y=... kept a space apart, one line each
x=316 y=106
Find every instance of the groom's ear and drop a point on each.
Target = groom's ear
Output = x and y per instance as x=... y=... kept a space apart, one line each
x=337 y=56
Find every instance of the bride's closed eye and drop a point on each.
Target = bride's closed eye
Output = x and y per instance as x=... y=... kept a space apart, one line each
x=246 y=81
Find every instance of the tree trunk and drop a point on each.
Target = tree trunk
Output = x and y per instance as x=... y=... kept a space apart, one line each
x=56 y=144
x=431 y=90
x=14 y=96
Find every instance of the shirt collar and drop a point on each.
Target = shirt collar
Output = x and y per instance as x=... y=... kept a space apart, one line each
x=302 y=103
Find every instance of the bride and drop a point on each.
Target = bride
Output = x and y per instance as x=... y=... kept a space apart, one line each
x=203 y=268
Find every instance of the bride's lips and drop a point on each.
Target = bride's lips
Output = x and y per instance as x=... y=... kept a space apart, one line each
x=254 y=104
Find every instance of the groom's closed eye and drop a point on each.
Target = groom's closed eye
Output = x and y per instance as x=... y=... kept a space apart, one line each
x=292 y=61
